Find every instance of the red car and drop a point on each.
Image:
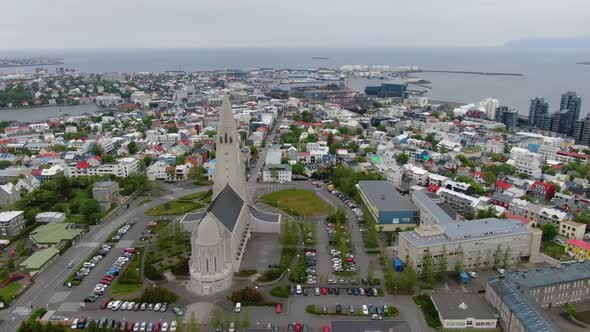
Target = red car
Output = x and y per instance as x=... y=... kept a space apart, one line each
x=324 y=291
x=104 y=281
x=108 y=277
x=326 y=328
x=157 y=327
x=129 y=326
x=297 y=327
x=279 y=308
x=104 y=304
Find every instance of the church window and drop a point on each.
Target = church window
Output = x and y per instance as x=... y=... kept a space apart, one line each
x=230 y=140
x=207 y=265
x=225 y=138
x=220 y=139
x=215 y=263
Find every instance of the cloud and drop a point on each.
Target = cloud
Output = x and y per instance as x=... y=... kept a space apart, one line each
x=271 y=23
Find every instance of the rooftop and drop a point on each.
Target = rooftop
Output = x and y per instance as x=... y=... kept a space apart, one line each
x=551 y=275
x=38 y=259
x=7 y=216
x=385 y=197
x=526 y=310
x=461 y=306
x=54 y=233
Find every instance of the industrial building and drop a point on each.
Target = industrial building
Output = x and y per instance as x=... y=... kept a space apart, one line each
x=387 y=207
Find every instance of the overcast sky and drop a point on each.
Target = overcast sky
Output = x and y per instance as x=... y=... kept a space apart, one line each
x=286 y=23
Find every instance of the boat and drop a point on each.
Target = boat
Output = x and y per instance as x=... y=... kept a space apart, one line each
x=320 y=58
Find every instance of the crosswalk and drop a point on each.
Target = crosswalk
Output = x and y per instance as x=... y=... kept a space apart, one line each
x=22 y=311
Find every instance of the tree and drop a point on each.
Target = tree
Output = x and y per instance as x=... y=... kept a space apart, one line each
x=428 y=268
x=570 y=310
x=459 y=259
x=371 y=270
x=489 y=178
x=298 y=168
x=549 y=231
x=402 y=158
x=523 y=175
x=488 y=213
x=381 y=128
x=5 y=164
x=443 y=265
x=506 y=258
x=107 y=159
x=90 y=209
x=497 y=256
x=132 y=147
x=97 y=149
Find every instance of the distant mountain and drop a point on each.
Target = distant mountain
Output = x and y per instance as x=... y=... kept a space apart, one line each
x=574 y=42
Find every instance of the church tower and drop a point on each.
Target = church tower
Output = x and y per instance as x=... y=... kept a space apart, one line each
x=228 y=165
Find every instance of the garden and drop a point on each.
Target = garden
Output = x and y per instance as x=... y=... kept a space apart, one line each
x=169 y=252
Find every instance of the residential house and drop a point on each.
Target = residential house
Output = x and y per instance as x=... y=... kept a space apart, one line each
x=106 y=193
x=9 y=194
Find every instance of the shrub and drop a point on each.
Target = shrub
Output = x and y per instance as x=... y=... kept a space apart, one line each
x=158 y=294
x=280 y=291
x=249 y=297
x=429 y=310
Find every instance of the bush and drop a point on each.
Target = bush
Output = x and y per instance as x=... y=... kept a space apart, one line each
x=158 y=294
x=181 y=268
x=310 y=309
x=270 y=275
x=249 y=297
x=429 y=310
x=245 y=273
x=280 y=291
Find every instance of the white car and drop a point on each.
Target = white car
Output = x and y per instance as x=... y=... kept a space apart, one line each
x=173 y=326
x=130 y=305
x=501 y=271
x=110 y=305
x=299 y=290
x=365 y=309
x=164 y=327
x=124 y=305
x=232 y=327
x=157 y=306
x=473 y=274
x=74 y=324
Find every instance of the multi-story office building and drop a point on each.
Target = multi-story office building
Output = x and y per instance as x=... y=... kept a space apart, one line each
x=479 y=242
x=539 y=107
x=520 y=297
x=582 y=131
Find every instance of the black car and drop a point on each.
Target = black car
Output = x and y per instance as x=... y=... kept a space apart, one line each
x=290 y=327
x=330 y=291
x=305 y=293
x=292 y=290
x=336 y=291
x=338 y=309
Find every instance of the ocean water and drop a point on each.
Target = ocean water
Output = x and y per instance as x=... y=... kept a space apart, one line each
x=547 y=73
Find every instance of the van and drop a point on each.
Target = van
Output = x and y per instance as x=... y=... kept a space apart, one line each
x=74 y=324
x=299 y=290
x=238 y=307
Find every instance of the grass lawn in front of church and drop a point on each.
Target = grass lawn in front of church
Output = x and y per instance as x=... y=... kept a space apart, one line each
x=300 y=202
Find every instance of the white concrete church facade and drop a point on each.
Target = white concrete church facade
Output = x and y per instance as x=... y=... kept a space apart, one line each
x=220 y=234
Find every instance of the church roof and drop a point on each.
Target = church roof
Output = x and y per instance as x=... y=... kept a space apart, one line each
x=226 y=207
x=208 y=232
x=264 y=216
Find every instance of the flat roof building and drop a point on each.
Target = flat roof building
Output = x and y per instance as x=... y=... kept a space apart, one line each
x=475 y=241
x=38 y=261
x=387 y=206
x=464 y=310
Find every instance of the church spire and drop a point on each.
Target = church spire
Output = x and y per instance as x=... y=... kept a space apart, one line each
x=228 y=169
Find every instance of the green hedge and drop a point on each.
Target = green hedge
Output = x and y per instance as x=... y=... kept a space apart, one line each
x=429 y=310
x=280 y=291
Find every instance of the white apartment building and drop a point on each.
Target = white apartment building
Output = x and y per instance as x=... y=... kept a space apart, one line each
x=277 y=173
x=525 y=161
x=169 y=138
x=572 y=229
x=123 y=167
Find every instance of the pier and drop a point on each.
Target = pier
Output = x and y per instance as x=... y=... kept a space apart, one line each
x=468 y=72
